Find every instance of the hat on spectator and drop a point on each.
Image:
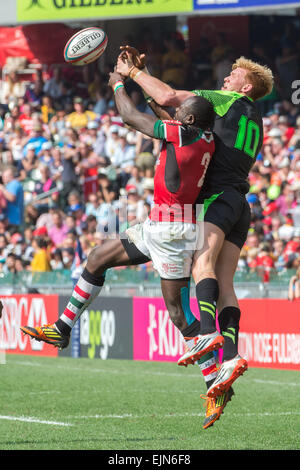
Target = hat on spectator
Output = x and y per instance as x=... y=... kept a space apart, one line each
x=75 y=207
x=40 y=231
x=92 y=125
x=273 y=191
x=295 y=186
x=252 y=198
x=78 y=99
x=283 y=119
x=16 y=238
x=275 y=132
x=272 y=207
x=47 y=146
x=30 y=146
x=267 y=221
x=131 y=189
x=148 y=183
x=284 y=163
x=114 y=129
x=267 y=121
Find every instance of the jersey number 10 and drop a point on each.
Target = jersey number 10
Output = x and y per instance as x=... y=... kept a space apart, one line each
x=247 y=138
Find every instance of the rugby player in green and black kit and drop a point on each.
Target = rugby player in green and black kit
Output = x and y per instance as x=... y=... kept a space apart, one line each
x=225 y=211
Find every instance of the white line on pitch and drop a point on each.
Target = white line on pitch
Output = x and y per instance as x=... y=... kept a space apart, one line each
x=151 y=373
x=29 y=419
x=179 y=415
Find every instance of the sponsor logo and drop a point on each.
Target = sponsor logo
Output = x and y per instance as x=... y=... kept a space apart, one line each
x=98 y=329
x=86 y=41
x=20 y=311
x=270 y=348
x=164 y=338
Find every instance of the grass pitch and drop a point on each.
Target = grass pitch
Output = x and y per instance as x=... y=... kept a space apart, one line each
x=83 y=404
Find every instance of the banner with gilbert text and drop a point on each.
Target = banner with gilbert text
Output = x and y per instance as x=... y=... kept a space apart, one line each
x=59 y=10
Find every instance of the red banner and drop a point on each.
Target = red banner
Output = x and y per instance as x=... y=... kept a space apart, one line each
x=270 y=333
x=28 y=310
x=30 y=42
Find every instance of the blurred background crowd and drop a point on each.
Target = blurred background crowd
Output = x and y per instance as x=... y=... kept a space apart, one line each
x=72 y=175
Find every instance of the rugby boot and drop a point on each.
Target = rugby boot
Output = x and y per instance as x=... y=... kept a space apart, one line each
x=203 y=344
x=228 y=372
x=215 y=407
x=47 y=333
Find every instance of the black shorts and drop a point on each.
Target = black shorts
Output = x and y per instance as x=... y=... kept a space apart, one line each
x=228 y=210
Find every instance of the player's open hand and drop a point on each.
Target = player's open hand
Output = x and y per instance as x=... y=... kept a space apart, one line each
x=137 y=59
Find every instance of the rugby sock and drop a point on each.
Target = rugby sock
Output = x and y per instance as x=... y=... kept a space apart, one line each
x=207 y=292
x=86 y=290
x=209 y=369
x=229 y=319
x=207 y=363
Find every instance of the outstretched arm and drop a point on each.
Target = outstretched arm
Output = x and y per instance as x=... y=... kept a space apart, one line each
x=142 y=122
x=161 y=92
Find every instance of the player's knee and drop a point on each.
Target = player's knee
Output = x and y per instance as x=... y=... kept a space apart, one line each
x=177 y=316
x=94 y=261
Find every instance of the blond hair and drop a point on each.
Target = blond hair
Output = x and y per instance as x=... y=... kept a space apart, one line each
x=260 y=76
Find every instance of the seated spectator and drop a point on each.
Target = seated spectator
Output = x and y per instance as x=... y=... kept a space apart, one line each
x=56 y=261
x=28 y=164
x=13 y=88
x=41 y=258
x=80 y=117
x=59 y=229
x=294 y=286
x=52 y=87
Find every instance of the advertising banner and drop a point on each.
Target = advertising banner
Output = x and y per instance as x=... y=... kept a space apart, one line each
x=28 y=310
x=105 y=329
x=29 y=42
x=215 y=6
x=268 y=338
x=155 y=338
x=46 y=10
x=270 y=333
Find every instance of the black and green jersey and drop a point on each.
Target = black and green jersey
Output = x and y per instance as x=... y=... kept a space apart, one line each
x=238 y=138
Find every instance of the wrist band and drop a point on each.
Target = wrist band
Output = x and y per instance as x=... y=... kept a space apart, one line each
x=147 y=97
x=134 y=72
x=118 y=85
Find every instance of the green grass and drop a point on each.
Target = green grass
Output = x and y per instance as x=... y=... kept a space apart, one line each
x=126 y=405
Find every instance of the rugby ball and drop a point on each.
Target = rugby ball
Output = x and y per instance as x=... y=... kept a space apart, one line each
x=85 y=46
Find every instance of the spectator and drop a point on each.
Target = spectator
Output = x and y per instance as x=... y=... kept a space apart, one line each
x=14 y=195
x=294 y=286
x=41 y=258
x=80 y=117
x=56 y=261
x=52 y=87
x=59 y=229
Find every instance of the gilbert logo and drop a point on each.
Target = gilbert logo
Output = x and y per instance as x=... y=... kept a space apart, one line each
x=35 y=3
x=86 y=3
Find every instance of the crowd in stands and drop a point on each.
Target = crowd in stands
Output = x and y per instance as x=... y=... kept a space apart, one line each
x=72 y=175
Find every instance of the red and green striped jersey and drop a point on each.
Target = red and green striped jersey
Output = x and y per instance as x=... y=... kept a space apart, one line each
x=180 y=170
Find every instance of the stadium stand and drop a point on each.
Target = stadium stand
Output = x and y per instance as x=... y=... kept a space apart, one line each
x=73 y=160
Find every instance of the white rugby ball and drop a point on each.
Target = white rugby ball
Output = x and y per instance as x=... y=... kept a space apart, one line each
x=85 y=46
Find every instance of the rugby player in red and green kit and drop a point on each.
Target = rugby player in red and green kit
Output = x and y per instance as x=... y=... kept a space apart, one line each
x=166 y=237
